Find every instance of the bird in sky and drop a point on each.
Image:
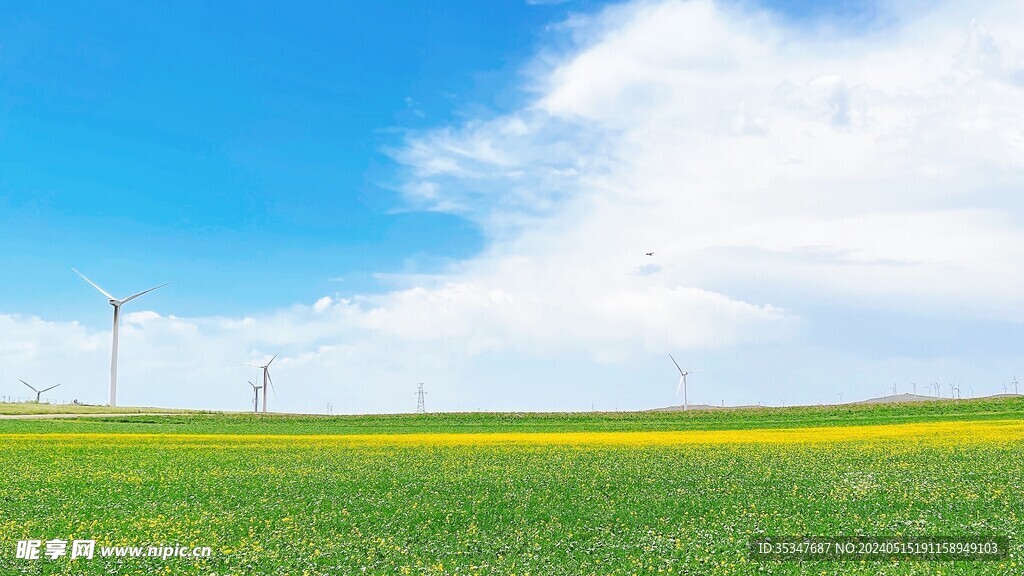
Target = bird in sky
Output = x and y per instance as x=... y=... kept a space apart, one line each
x=649 y=253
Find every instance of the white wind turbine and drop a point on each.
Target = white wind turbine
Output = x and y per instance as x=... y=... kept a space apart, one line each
x=266 y=379
x=117 y=320
x=255 y=397
x=39 y=393
x=682 y=382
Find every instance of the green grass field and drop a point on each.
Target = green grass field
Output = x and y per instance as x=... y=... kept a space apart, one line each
x=192 y=422
x=302 y=495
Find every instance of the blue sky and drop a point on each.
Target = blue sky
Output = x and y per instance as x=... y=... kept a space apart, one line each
x=475 y=184
x=241 y=151
x=203 y=142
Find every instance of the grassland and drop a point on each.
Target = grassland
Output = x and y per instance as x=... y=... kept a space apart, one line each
x=513 y=494
x=795 y=417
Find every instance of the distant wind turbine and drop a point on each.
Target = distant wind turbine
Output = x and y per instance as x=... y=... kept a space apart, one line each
x=117 y=320
x=914 y=384
x=682 y=382
x=1015 y=385
x=39 y=393
x=266 y=379
x=256 y=396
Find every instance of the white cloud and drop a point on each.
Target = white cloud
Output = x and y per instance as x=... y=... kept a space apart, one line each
x=323 y=304
x=761 y=162
x=704 y=128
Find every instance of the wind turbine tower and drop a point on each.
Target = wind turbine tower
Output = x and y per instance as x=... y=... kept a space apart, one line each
x=682 y=382
x=117 y=320
x=266 y=380
x=39 y=393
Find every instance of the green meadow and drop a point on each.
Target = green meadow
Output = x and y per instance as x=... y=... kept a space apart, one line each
x=265 y=500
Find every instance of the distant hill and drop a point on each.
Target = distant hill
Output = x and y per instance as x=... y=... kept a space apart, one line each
x=918 y=398
x=899 y=398
x=680 y=408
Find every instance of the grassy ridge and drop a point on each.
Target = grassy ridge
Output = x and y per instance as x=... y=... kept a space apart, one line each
x=739 y=419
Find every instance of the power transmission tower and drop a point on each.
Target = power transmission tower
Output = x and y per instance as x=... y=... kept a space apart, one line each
x=421 y=407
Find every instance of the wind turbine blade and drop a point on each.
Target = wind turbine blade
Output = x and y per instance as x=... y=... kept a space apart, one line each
x=95 y=285
x=29 y=385
x=50 y=388
x=677 y=367
x=134 y=296
x=692 y=371
x=272 y=360
x=271 y=382
x=679 y=386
